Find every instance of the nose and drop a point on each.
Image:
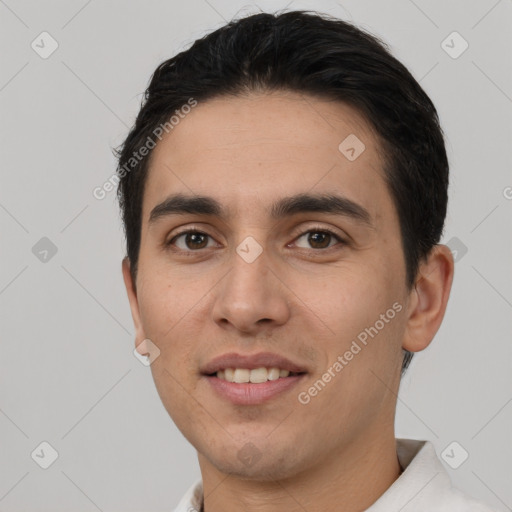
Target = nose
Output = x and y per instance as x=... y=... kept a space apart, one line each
x=251 y=298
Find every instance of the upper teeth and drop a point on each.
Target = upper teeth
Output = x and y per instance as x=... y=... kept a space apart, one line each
x=258 y=375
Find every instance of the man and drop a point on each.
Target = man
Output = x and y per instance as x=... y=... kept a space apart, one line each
x=283 y=192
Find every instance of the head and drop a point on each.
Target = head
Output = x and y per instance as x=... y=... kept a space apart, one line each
x=301 y=141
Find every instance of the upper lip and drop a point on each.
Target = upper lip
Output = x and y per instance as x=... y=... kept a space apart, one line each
x=250 y=362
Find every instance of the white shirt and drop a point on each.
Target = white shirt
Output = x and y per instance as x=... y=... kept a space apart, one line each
x=424 y=486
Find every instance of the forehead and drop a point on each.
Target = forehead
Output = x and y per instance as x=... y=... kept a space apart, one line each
x=253 y=149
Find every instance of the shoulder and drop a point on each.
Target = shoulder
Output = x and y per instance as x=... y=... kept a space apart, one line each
x=425 y=485
x=192 y=499
x=454 y=500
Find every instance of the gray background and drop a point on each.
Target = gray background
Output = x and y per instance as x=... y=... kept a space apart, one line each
x=68 y=375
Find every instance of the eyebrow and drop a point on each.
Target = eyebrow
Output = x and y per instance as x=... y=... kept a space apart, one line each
x=179 y=204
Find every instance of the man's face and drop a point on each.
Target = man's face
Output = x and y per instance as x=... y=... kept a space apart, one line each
x=259 y=279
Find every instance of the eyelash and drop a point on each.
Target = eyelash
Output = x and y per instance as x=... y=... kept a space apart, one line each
x=315 y=229
x=320 y=229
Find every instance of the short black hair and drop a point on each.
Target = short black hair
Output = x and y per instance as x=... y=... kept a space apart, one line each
x=315 y=54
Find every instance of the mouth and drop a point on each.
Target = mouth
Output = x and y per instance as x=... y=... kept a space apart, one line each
x=253 y=393
x=252 y=380
x=256 y=376
x=262 y=364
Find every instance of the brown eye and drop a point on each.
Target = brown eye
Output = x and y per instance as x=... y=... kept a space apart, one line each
x=318 y=239
x=190 y=240
x=196 y=240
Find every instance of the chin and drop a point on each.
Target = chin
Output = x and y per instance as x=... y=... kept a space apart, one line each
x=250 y=463
x=261 y=472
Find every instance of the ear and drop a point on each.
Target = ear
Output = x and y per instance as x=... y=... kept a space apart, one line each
x=131 y=290
x=428 y=298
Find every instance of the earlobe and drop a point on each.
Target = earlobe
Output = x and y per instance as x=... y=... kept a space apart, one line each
x=134 y=304
x=429 y=298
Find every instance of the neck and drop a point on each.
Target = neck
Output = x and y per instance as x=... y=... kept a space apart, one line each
x=351 y=479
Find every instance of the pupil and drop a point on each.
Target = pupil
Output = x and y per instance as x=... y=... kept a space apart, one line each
x=195 y=240
x=318 y=237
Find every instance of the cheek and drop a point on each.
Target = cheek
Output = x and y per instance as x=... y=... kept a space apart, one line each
x=357 y=315
x=157 y=309
x=361 y=362
x=344 y=300
x=164 y=314
x=165 y=298
x=166 y=323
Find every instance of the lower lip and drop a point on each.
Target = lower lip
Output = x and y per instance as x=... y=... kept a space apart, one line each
x=252 y=394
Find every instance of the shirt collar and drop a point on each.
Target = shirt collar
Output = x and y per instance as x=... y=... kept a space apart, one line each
x=421 y=485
